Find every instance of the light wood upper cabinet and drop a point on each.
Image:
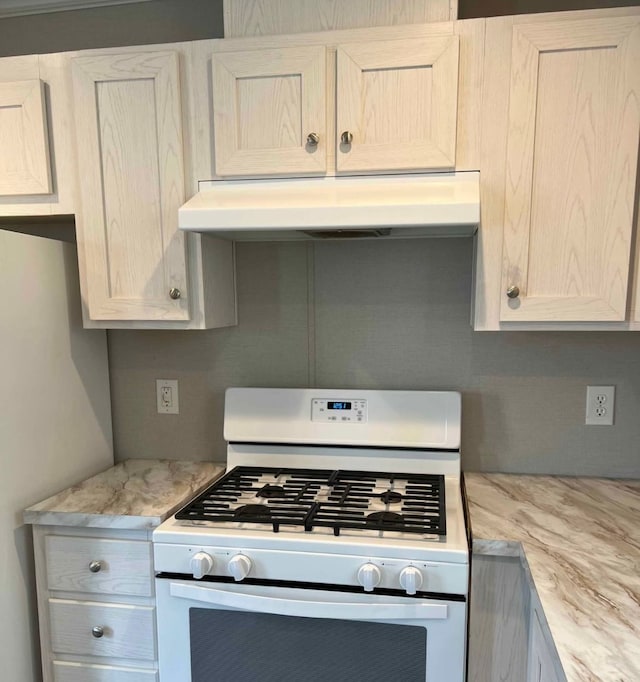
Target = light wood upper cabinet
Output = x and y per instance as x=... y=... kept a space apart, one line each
x=130 y=155
x=336 y=106
x=244 y=18
x=38 y=174
x=24 y=145
x=269 y=111
x=571 y=169
x=397 y=104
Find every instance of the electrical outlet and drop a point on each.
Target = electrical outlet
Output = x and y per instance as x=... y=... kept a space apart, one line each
x=600 y=405
x=167 y=396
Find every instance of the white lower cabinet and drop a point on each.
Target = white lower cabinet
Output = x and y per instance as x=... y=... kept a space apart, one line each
x=509 y=639
x=543 y=664
x=96 y=604
x=497 y=620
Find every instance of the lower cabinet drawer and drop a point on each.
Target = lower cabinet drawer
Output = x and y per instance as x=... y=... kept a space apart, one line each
x=78 y=564
x=80 y=672
x=125 y=631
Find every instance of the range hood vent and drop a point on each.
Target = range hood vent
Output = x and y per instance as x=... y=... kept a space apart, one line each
x=349 y=234
x=371 y=207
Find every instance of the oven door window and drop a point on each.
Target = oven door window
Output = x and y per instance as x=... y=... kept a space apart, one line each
x=241 y=646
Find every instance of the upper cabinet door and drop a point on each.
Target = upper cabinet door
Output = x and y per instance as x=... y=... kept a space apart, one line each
x=24 y=146
x=270 y=111
x=129 y=137
x=572 y=158
x=397 y=104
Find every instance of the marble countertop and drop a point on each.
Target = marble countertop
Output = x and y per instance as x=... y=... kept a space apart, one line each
x=136 y=494
x=581 y=542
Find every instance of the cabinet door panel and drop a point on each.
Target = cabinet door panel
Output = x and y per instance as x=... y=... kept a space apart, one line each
x=265 y=104
x=129 y=131
x=24 y=147
x=572 y=153
x=543 y=662
x=399 y=101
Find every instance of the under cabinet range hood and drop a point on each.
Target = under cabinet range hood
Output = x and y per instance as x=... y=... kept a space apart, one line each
x=381 y=206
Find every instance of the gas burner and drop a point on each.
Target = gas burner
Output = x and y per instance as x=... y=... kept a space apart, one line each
x=271 y=491
x=391 y=497
x=385 y=520
x=251 y=512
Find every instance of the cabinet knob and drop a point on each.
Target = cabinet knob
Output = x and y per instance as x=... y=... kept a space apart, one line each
x=95 y=566
x=346 y=137
x=97 y=631
x=313 y=139
x=175 y=293
x=513 y=292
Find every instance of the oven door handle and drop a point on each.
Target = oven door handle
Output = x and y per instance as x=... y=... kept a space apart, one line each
x=414 y=610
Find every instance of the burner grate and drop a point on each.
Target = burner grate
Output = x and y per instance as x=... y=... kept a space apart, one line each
x=310 y=498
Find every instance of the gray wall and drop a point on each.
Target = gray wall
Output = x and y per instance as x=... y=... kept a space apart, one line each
x=389 y=315
x=468 y=9
x=383 y=315
x=159 y=21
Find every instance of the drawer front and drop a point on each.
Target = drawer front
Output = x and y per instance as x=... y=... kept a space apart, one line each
x=119 y=566
x=129 y=631
x=79 y=672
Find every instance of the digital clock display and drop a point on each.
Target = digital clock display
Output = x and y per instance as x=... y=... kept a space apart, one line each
x=335 y=405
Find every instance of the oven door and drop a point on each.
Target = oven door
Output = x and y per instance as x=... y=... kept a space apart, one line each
x=221 y=632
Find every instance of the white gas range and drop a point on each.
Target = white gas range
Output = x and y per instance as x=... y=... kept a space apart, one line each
x=333 y=548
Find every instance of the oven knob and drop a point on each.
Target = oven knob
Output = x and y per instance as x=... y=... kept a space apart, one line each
x=369 y=576
x=239 y=567
x=201 y=564
x=410 y=579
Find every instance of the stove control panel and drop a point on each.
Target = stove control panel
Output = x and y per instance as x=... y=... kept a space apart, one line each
x=339 y=411
x=392 y=573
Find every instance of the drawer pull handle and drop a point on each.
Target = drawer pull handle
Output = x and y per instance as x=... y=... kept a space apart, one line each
x=313 y=139
x=513 y=291
x=97 y=631
x=346 y=137
x=95 y=566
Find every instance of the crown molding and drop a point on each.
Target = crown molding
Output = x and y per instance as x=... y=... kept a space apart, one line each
x=14 y=8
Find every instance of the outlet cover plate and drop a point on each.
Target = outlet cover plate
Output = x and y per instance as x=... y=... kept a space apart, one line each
x=600 y=405
x=167 y=396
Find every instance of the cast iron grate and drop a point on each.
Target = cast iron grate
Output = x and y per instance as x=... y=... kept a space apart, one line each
x=310 y=498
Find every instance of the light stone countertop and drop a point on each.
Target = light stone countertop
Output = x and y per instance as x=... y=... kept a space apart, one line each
x=581 y=541
x=136 y=494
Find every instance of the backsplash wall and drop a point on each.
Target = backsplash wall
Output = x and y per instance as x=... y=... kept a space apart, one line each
x=392 y=314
